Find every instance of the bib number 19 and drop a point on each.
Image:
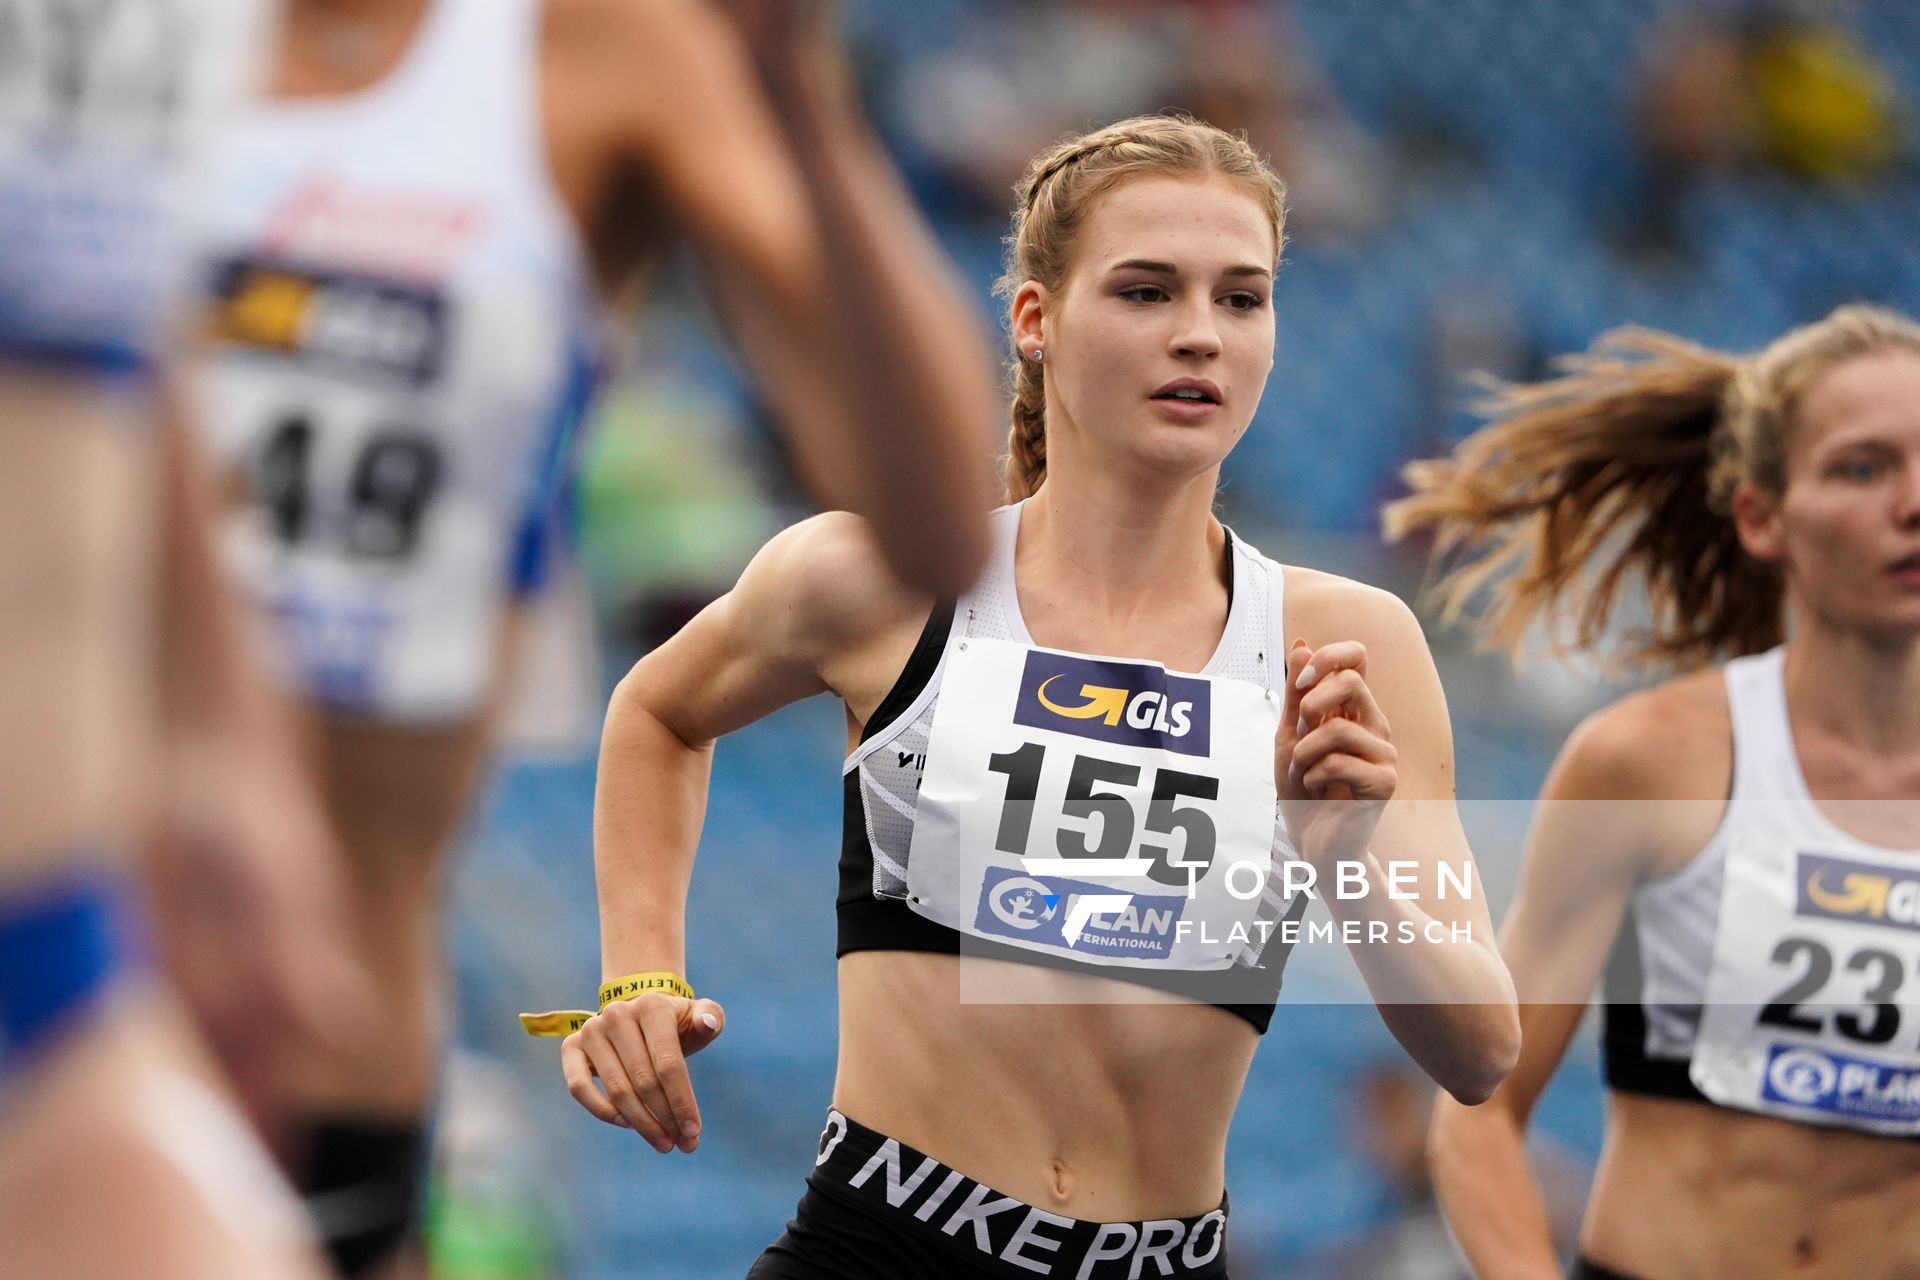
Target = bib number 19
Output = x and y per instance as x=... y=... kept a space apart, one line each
x=1112 y=837
x=394 y=479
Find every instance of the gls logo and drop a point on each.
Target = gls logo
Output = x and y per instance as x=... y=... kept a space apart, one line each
x=1131 y=703
x=357 y=324
x=1837 y=889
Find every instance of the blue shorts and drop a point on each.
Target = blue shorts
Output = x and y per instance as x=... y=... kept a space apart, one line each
x=63 y=943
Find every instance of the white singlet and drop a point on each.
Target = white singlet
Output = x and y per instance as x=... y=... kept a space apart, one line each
x=104 y=108
x=1780 y=968
x=406 y=337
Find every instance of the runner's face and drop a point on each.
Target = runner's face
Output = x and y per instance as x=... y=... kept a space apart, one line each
x=1849 y=520
x=1170 y=287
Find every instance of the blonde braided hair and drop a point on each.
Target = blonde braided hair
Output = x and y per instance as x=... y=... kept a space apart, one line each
x=1055 y=196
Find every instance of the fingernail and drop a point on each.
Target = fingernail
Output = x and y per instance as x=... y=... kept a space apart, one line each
x=663 y=1147
x=1293 y=774
x=690 y=1129
x=1307 y=676
x=622 y=1122
x=713 y=1023
x=1300 y=729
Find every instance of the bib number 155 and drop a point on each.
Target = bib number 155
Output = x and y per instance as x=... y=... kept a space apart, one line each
x=1106 y=820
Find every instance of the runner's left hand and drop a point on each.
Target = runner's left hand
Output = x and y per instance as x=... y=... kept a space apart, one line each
x=1333 y=758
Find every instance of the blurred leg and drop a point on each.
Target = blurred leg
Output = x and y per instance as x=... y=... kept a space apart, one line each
x=398 y=798
x=119 y=1156
x=119 y=1153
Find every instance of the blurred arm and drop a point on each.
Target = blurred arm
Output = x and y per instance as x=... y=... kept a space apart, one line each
x=209 y=686
x=849 y=317
x=1582 y=862
x=245 y=864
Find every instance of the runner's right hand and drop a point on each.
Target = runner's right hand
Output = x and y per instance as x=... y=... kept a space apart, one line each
x=639 y=1050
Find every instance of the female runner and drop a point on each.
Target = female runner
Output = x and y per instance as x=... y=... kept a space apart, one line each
x=122 y=1150
x=413 y=244
x=984 y=740
x=1752 y=918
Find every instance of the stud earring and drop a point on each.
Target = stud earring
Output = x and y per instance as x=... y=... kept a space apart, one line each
x=1038 y=355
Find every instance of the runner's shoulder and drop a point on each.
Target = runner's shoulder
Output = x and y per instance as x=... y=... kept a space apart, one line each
x=629 y=58
x=628 y=71
x=824 y=584
x=650 y=30
x=1323 y=607
x=1671 y=741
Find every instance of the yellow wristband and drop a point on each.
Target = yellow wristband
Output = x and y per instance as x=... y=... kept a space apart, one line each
x=564 y=1022
x=561 y=1022
x=635 y=984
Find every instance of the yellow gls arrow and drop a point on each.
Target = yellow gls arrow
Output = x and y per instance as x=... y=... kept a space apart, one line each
x=1101 y=701
x=268 y=310
x=1860 y=894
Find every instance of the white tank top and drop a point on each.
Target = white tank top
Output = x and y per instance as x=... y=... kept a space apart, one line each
x=1772 y=972
x=406 y=334
x=104 y=111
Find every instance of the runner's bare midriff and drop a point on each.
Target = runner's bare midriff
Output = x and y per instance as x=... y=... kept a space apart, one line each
x=1100 y=1111
x=75 y=591
x=1691 y=1192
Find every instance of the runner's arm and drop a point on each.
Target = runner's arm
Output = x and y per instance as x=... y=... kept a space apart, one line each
x=847 y=313
x=811 y=596
x=244 y=864
x=811 y=593
x=1449 y=1002
x=1582 y=862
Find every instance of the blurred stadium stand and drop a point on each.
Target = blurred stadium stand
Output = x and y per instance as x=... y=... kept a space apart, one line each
x=1504 y=179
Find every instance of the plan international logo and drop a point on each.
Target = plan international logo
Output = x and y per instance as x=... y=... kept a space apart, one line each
x=1838 y=889
x=1128 y=703
x=1058 y=912
x=1842 y=1084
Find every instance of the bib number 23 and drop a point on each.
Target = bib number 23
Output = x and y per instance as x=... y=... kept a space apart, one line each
x=1887 y=971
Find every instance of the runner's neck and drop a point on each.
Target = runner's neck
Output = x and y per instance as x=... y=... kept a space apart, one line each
x=1860 y=689
x=331 y=48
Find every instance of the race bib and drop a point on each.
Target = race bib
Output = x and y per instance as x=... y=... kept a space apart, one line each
x=1102 y=809
x=372 y=530
x=1813 y=999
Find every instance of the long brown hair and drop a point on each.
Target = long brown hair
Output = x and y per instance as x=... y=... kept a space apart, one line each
x=1054 y=198
x=1623 y=470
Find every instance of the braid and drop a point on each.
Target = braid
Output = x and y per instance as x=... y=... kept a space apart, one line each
x=1071 y=156
x=1027 y=438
